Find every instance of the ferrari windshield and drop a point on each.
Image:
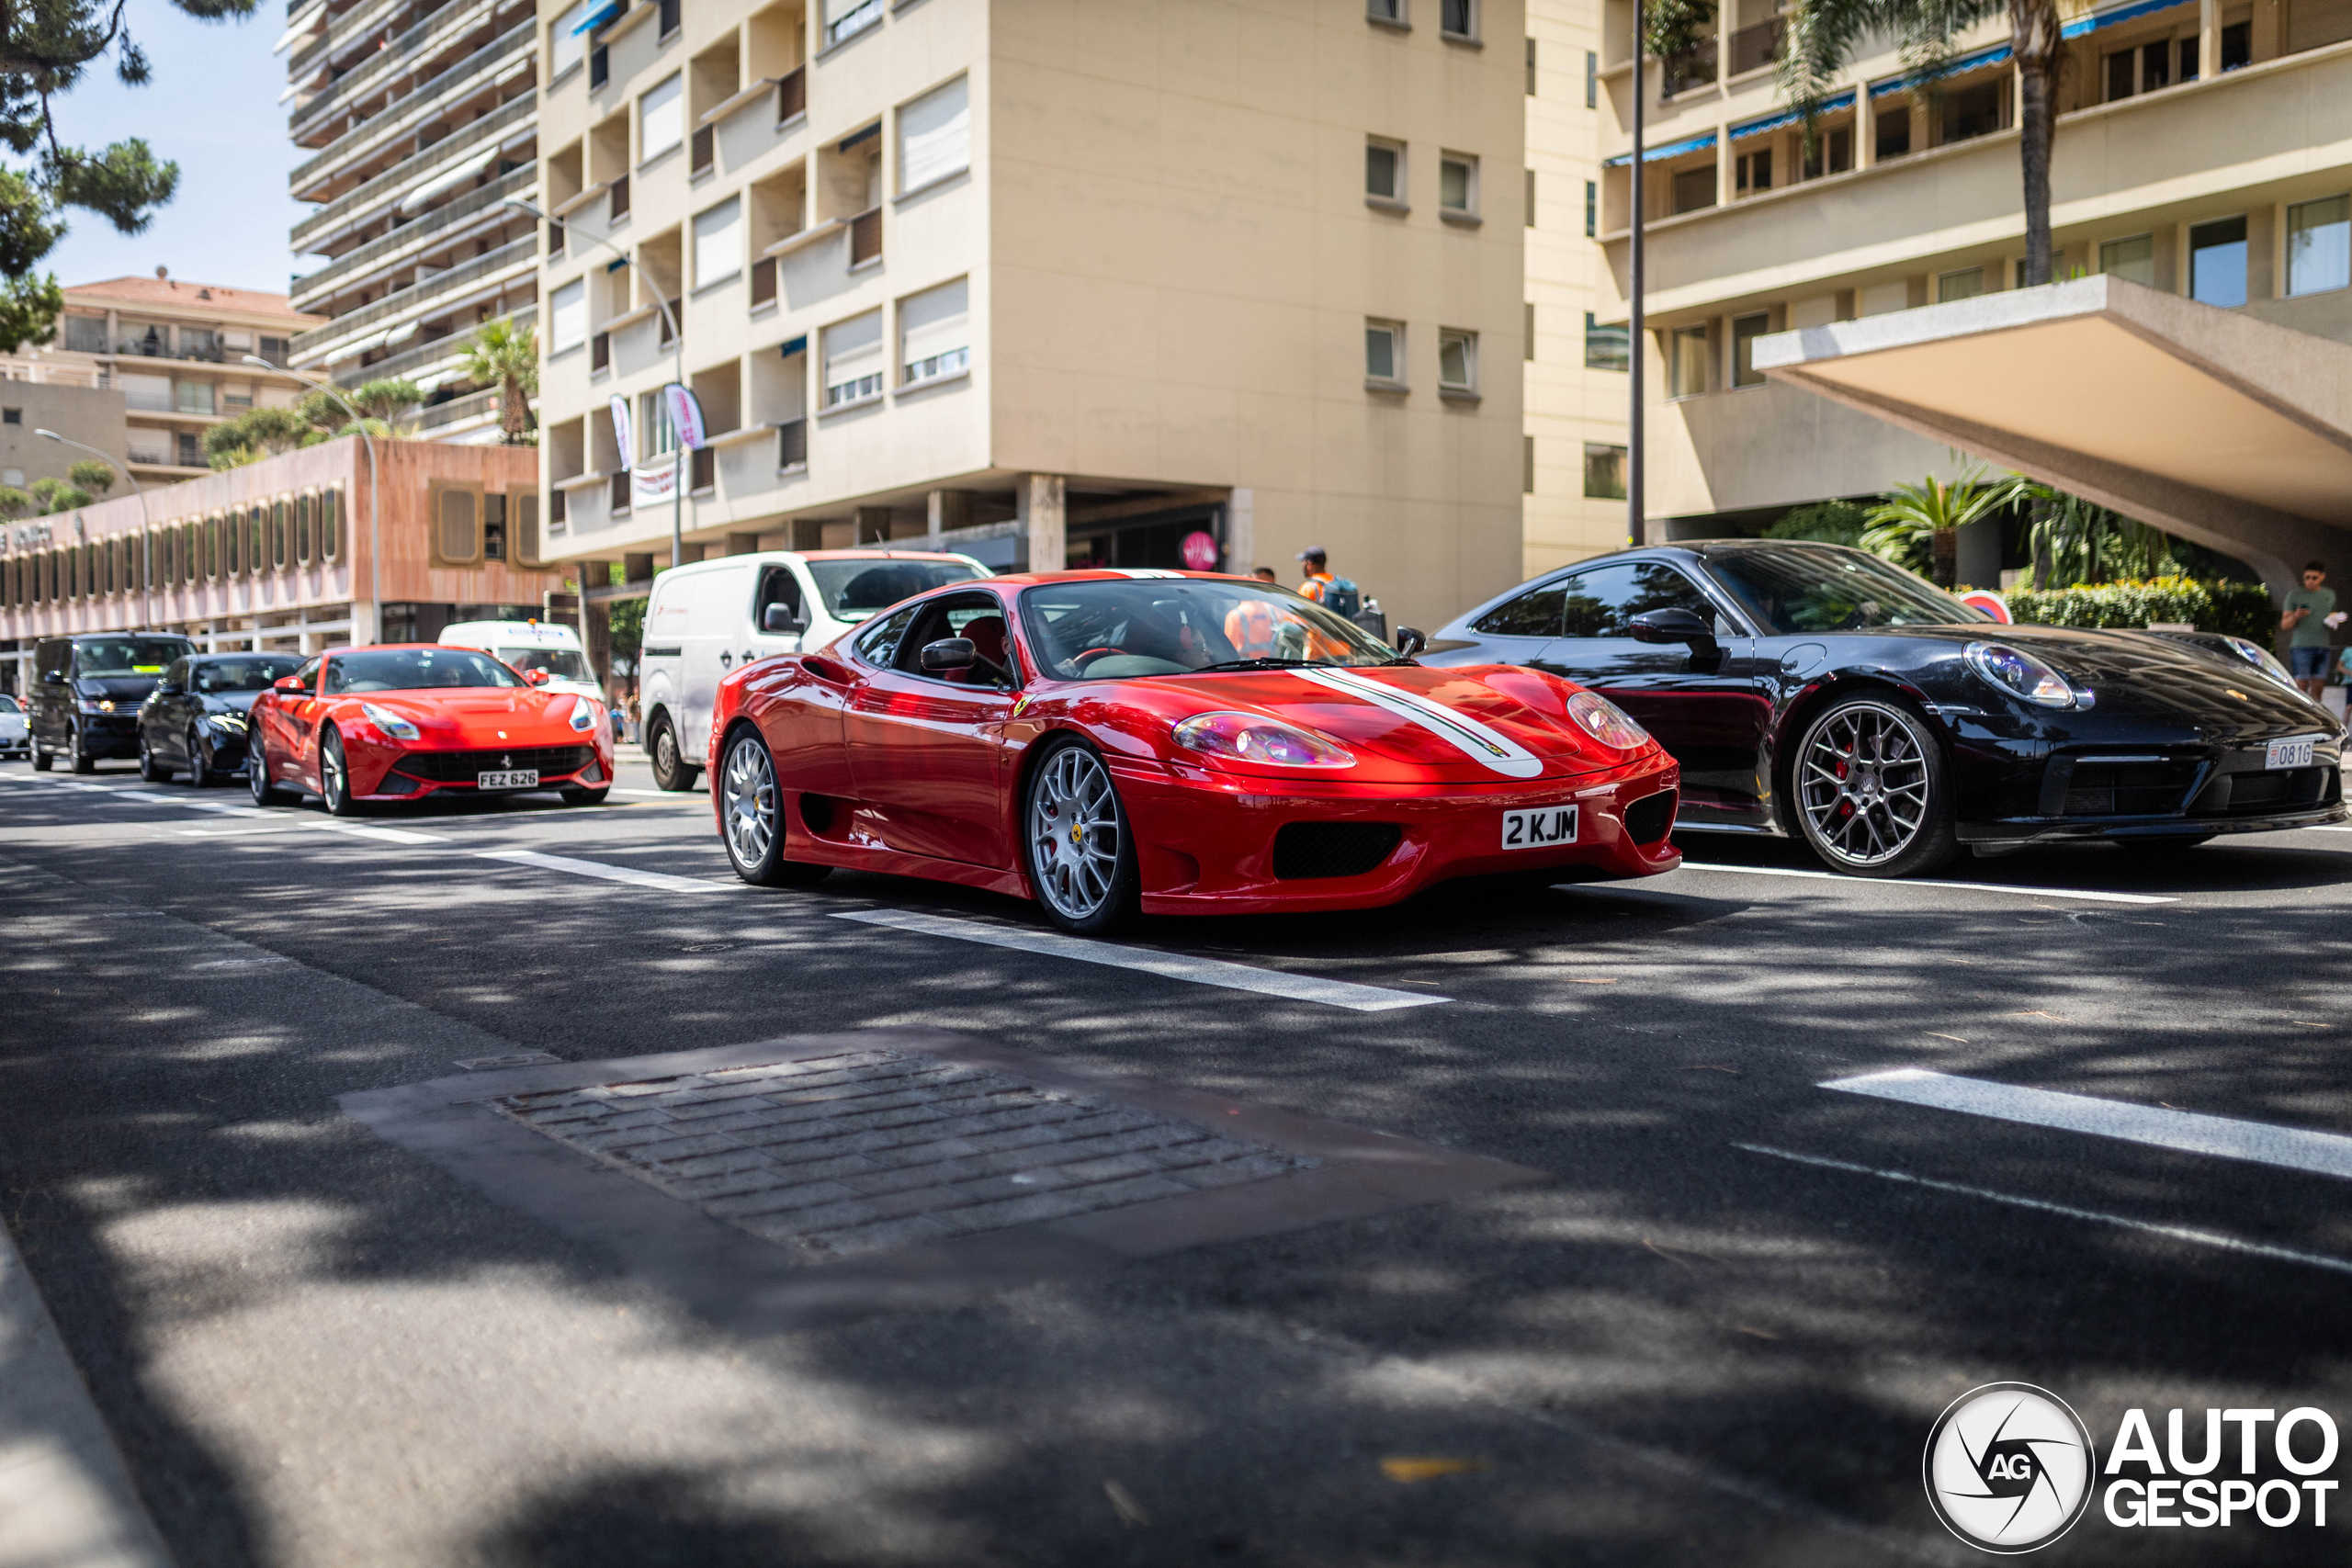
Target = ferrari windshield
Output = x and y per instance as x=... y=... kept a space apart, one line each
x=856 y=590
x=104 y=655
x=414 y=669
x=220 y=676
x=1101 y=629
x=563 y=664
x=1792 y=589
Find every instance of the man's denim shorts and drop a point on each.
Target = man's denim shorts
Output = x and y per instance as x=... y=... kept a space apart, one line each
x=2309 y=663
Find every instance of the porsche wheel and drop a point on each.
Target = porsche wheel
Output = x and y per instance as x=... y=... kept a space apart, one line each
x=334 y=777
x=671 y=770
x=752 y=817
x=1873 y=791
x=199 y=758
x=149 y=769
x=1081 y=858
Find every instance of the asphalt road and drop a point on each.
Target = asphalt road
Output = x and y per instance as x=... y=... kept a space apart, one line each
x=1717 y=1332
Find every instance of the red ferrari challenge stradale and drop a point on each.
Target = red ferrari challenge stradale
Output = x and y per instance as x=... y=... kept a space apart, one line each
x=1115 y=743
x=402 y=721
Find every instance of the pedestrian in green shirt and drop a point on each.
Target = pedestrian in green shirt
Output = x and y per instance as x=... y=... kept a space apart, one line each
x=2310 y=619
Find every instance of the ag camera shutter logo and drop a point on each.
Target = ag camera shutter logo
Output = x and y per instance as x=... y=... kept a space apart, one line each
x=2009 y=1468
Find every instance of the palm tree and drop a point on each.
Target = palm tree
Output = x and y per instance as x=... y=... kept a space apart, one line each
x=505 y=353
x=1822 y=36
x=2076 y=541
x=1932 y=512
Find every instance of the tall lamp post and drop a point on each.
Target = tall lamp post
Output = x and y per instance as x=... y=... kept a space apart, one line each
x=146 y=539
x=677 y=374
x=1634 y=464
x=374 y=490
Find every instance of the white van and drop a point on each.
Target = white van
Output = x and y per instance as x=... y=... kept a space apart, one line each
x=707 y=618
x=528 y=645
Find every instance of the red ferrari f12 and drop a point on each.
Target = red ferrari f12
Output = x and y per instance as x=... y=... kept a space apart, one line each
x=1116 y=742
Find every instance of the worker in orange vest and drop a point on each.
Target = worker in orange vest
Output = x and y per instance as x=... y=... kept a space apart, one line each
x=1319 y=577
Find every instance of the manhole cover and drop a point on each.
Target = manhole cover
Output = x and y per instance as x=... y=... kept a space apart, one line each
x=839 y=1155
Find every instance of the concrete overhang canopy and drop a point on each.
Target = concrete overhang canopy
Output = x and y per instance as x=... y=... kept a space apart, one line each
x=2231 y=432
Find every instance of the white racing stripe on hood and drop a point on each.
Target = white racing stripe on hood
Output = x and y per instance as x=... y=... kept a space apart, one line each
x=1142 y=571
x=1486 y=747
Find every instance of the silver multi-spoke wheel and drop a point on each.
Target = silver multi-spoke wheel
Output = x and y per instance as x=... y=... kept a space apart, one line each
x=1863 y=782
x=750 y=805
x=1074 y=834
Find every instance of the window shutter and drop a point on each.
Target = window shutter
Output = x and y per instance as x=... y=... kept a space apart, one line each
x=522 y=509
x=934 y=325
x=852 y=351
x=567 y=310
x=458 y=534
x=935 y=135
x=662 y=122
x=718 y=247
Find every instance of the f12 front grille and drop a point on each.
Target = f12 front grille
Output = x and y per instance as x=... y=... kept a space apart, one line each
x=460 y=767
x=1305 y=850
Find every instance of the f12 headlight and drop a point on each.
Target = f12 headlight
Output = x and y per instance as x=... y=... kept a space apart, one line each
x=584 y=715
x=389 y=722
x=1606 y=722
x=2021 y=674
x=1254 y=738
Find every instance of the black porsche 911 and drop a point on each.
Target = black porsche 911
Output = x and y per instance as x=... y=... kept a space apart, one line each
x=1814 y=691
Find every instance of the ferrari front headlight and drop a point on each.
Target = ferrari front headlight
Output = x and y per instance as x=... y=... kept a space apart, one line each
x=391 y=723
x=1606 y=722
x=584 y=715
x=1254 y=738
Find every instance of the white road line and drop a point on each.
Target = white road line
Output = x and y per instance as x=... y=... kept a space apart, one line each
x=628 y=874
x=1169 y=965
x=2175 y=1233
x=2322 y=1154
x=688 y=794
x=1906 y=882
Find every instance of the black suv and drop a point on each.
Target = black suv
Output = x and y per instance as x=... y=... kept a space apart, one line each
x=86 y=691
x=194 y=722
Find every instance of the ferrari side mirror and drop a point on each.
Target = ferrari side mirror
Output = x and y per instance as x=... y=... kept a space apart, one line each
x=292 y=683
x=1411 y=641
x=535 y=677
x=778 y=620
x=950 y=653
x=1671 y=625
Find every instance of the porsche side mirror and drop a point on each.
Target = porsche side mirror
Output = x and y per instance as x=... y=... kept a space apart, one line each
x=1409 y=642
x=778 y=620
x=535 y=677
x=950 y=653
x=288 y=684
x=1671 y=625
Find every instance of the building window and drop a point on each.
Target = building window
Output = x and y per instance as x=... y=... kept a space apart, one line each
x=1384 y=351
x=718 y=243
x=661 y=118
x=568 y=316
x=459 y=536
x=191 y=450
x=1604 y=472
x=193 y=396
x=1527 y=466
x=854 y=360
x=1686 y=363
x=1591 y=209
x=2217 y=263
x=566 y=47
x=1965 y=284
x=1745 y=331
x=1527 y=336
x=935 y=334
x=1457 y=361
x=12 y=416
x=1457 y=184
x=2319 y=246
x=1531 y=68
x=1694 y=188
x=1893 y=127
x=1591 y=79
x=1753 y=171
x=935 y=136
x=1390 y=11
x=1604 y=348
x=1458 y=19
x=2135 y=258
x=847 y=19
x=85 y=334
x=1383 y=171
x=1531 y=198
x=2237 y=46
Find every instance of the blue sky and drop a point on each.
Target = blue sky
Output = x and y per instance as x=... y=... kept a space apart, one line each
x=212 y=108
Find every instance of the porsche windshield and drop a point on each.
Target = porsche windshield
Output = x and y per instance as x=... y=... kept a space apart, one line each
x=1792 y=589
x=1109 y=630
x=856 y=590
x=414 y=669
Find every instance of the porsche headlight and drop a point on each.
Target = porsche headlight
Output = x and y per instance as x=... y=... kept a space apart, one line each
x=1606 y=722
x=389 y=722
x=2021 y=674
x=1254 y=738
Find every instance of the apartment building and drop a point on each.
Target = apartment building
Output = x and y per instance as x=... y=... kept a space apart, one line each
x=174 y=351
x=1575 y=374
x=2202 y=174
x=1049 y=282
x=412 y=119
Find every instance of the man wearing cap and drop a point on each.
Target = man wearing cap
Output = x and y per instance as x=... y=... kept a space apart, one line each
x=1319 y=577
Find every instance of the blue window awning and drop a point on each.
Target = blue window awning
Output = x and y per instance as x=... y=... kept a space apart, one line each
x=2115 y=13
x=1844 y=100
x=1977 y=62
x=793 y=346
x=1671 y=150
x=599 y=14
x=617 y=264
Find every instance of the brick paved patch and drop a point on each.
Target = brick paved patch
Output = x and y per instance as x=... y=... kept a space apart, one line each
x=865 y=1151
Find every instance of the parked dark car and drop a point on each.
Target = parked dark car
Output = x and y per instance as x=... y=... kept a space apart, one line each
x=1817 y=691
x=86 y=691
x=194 y=721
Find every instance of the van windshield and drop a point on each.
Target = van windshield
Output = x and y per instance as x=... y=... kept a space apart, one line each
x=857 y=590
x=128 y=655
x=563 y=664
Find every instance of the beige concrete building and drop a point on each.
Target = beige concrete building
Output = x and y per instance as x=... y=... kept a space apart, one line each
x=172 y=350
x=1050 y=281
x=2203 y=152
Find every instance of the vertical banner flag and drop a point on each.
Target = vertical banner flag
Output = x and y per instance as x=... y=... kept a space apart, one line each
x=621 y=432
x=686 y=415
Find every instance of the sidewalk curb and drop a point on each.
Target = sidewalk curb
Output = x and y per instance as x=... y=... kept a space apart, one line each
x=66 y=1499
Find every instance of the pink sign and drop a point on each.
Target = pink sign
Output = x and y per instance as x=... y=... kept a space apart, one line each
x=1200 y=551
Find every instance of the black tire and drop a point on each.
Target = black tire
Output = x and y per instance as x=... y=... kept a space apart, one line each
x=1872 y=790
x=257 y=775
x=81 y=761
x=2178 y=844
x=149 y=769
x=334 y=776
x=586 y=797
x=671 y=770
x=1070 y=805
x=199 y=757
x=44 y=759
x=751 y=808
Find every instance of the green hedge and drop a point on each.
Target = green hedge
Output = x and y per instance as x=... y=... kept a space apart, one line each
x=2242 y=608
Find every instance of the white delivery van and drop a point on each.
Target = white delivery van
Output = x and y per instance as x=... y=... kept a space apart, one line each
x=707 y=617
x=532 y=645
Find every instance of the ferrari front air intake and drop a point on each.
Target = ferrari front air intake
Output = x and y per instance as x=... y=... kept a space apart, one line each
x=1304 y=850
x=1651 y=818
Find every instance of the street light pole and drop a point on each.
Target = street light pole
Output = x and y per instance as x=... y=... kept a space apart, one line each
x=677 y=374
x=1635 y=466
x=146 y=538
x=375 y=488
